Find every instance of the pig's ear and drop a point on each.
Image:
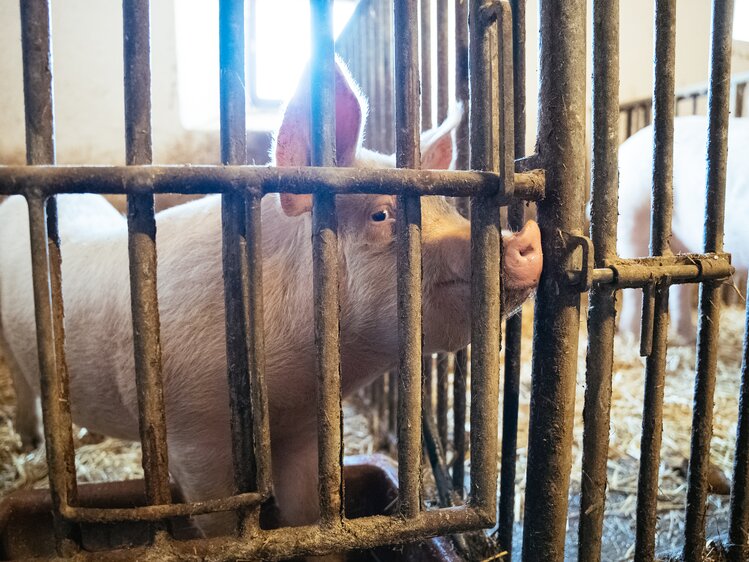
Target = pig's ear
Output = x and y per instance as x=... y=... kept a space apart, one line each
x=438 y=149
x=292 y=145
x=294 y=204
x=350 y=115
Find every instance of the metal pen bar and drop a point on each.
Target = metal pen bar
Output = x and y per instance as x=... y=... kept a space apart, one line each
x=601 y=308
x=260 y=180
x=46 y=270
x=142 y=253
x=443 y=49
x=738 y=533
x=514 y=324
x=408 y=248
x=719 y=98
x=427 y=381
x=485 y=283
x=561 y=148
x=460 y=373
x=462 y=91
x=325 y=268
x=256 y=345
x=235 y=267
x=660 y=235
x=443 y=360
x=426 y=64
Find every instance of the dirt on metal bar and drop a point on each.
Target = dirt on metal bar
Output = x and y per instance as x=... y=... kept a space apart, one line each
x=408 y=247
x=602 y=299
x=325 y=270
x=561 y=148
x=660 y=236
x=142 y=253
x=710 y=302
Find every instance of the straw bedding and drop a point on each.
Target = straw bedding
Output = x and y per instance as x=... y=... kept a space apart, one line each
x=105 y=459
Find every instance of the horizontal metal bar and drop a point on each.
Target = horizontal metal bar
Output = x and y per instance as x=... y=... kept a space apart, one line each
x=158 y=512
x=258 y=180
x=683 y=268
x=687 y=92
x=289 y=542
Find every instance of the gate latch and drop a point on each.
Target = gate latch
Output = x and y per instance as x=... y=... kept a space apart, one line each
x=579 y=265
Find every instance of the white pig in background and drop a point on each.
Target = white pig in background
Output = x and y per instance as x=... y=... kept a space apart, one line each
x=96 y=293
x=690 y=169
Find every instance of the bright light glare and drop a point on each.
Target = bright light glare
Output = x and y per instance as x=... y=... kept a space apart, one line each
x=282 y=43
x=281 y=56
x=741 y=20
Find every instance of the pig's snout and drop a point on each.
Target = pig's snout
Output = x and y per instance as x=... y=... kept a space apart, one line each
x=523 y=259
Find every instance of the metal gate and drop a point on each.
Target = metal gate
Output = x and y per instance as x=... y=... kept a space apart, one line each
x=554 y=176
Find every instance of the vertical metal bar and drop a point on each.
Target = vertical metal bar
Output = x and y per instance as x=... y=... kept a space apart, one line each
x=738 y=107
x=408 y=244
x=427 y=380
x=256 y=345
x=442 y=366
x=719 y=97
x=486 y=247
x=738 y=534
x=561 y=147
x=389 y=101
x=392 y=377
x=514 y=325
x=325 y=269
x=233 y=151
x=629 y=122
x=460 y=372
x=462 y=92
x=660 y=235
x=426 y=64
x=142 y=252
x=602 y=299
x=443 y=47
x=46 y=270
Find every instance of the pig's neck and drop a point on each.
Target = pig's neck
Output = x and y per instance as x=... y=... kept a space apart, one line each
x=288 y=295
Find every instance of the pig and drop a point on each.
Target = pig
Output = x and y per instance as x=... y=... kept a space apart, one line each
x=635 y=180
x=96 y=294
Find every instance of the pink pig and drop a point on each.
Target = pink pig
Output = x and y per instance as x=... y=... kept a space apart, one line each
x=96 y=294
x=690 y=165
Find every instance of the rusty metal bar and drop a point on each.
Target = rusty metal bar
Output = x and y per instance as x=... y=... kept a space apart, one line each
x=46 y=270
x=142 y=252
x=260 y=180
x=443 y=49
x=486 y=247
x=427 y=382
x=442 y=406
x=602 y=299
x=738 y=107
x=233 y=151
x=408 y=247
x=325 y=269
x=460 y=372
x=426 y=64
x=719 y=98
x=514 y=324
x=462 y=91
x=561 y=147
x=738 y=534
x=660 y=235
x=278 y=544
x=392 y=396
x=161 y=512
x=675 y=269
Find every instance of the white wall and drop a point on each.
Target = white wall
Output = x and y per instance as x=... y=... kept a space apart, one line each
x=87 y=66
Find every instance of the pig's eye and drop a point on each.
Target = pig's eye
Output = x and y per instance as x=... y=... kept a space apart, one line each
x=381 y=215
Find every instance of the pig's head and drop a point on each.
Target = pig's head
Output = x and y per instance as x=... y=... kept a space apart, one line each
x=366 y=226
